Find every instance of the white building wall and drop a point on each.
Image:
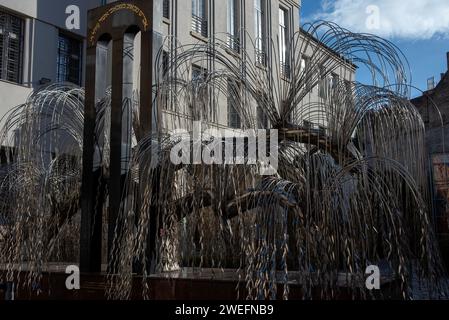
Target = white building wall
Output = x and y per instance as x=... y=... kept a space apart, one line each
x=43 y=20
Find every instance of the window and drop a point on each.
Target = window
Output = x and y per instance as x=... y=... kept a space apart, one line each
x=199 y=75
x=199 y=78
x=348 y=85
x=259 y=19
x=262 y=118
x=199 y=17
x=283 y=45
x=233 y=25
x=11 y=35
x=69 y=60
x=305 y=63
x=334 y=81
x=327 y=84
x=234 y=120
x=165 y=69
x=166 y=9
x=322 y=84
x=165 y=63
x=304 y=69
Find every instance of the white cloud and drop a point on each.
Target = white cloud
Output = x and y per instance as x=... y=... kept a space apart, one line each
x=408 y=19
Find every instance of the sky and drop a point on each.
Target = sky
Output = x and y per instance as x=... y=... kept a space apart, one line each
x=419 y=28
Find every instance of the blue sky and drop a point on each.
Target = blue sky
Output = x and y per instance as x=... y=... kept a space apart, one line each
x=420 y=28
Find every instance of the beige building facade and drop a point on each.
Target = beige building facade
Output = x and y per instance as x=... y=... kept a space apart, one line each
x=38 y=49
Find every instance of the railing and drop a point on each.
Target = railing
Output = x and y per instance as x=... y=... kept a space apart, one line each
x=285 y=70
x=199 y=25
x=261 y=57
x=233 y=42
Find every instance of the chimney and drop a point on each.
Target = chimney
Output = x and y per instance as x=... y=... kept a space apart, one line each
x=431 y=83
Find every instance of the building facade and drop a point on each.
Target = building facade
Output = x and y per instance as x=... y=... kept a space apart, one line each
x=36 y=48
x=433 y=106
x=260 y=29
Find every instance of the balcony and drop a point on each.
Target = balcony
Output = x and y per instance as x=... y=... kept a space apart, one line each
x=199 y=25
x=261 y=57
x=285 y=70
x=233 y=42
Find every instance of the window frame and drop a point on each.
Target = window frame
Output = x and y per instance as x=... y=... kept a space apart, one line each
x=322 y=83
x=334 y=80
x=166 y=9
x=72 y=39
x=260 y=25
x=201 y=71
x=5 y=47
x=262 y=118
x=284 y=35
x=233 y=114
x=199 y=15
x=233 y=24
x=305 y=69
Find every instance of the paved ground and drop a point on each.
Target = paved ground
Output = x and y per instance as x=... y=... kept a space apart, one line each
x=420 y=292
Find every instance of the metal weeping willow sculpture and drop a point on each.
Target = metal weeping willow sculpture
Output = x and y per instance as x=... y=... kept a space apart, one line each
x=351 y=193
